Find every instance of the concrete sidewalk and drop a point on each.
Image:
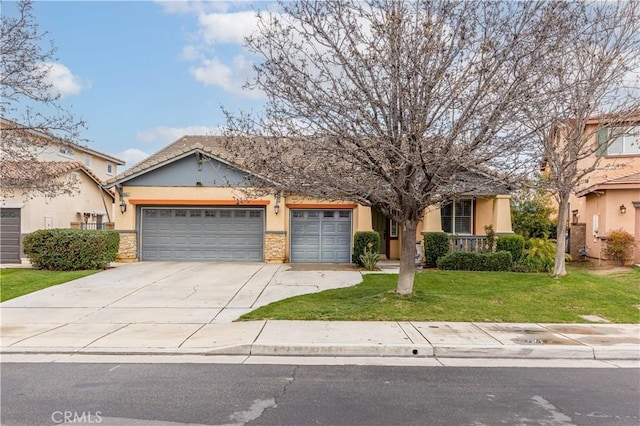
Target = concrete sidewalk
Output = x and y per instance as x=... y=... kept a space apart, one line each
x=331 y=339
x=181 y=308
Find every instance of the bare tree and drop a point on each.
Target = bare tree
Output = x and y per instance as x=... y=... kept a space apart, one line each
x=29 y=107
x=587 y=99
x=391 y=104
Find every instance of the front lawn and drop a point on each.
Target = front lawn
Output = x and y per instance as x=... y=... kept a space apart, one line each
x=471 y=296
x=16 y=282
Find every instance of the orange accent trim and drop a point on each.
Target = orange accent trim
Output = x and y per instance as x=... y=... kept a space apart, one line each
x=201 y=202
x=321 y=206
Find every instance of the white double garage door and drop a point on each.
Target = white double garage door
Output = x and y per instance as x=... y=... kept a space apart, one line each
x=237 y=234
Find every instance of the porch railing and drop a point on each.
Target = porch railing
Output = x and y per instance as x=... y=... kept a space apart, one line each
x=470 y=243
x=99 y=226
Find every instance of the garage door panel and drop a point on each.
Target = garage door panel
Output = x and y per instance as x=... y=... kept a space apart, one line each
x=10 y=235
x=203 y=234
x=321 y=236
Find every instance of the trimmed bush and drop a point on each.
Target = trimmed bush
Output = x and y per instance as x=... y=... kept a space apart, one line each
x=71 y=249
x=499 y=261
x=462 y=261
x=436 y=246
x=514 y=244
x=361 y=242
x=619 y=245
x=468 y=261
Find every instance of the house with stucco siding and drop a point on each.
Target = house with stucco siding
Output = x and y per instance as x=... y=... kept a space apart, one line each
x=89 y=206
x=610 y=199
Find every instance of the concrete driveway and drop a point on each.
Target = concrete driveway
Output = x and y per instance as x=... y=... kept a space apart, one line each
x=173 y=292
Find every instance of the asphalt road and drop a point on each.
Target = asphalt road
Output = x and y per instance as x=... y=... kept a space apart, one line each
x=215 y=394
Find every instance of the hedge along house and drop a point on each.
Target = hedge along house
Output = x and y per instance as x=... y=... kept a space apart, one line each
x=189 y=202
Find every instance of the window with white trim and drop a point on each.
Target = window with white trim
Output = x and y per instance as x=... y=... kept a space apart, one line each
x=87 y=160
x=110 y=169
x=628 y=143
x=457 y=217
x=393 y=229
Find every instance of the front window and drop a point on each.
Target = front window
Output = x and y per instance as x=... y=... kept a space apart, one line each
x=627 y=143
x=457 y=217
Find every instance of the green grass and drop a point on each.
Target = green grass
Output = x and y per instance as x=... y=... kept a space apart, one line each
x=15 y=282
x=471 y=296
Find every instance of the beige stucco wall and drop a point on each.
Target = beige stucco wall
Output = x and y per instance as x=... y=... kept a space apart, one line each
x=607 y=207
x=612 y=166
x=492 y=210
x=59 y=212
x=97 y=164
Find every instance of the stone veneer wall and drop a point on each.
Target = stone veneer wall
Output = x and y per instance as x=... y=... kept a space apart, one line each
x=578 y=239
x=275 y=246
x=128 y=251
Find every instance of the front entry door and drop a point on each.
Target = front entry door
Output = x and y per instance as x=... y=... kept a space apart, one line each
x=381 y=226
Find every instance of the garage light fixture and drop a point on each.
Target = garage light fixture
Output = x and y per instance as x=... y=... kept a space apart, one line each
x=123 y=206
x=623 y=209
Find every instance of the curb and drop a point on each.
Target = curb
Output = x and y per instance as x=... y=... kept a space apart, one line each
x=568 y=352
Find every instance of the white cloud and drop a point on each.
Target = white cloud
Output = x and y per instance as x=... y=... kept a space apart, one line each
x=217 y=26
x=193 y=6
x=163 y=134
x=231 y=78
x=62 y=81
x=131 y=157
x=227 y=27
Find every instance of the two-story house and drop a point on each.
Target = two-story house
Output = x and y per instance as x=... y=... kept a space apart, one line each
x=21 y=212
x=610 y=199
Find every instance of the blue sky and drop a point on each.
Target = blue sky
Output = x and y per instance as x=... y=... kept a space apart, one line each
x=144 y=73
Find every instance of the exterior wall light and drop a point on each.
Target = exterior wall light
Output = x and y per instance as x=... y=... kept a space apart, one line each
x=276 y=207
x=123 y=206
x=623 y=209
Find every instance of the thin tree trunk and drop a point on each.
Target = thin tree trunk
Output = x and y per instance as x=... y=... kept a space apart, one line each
x=559 y=269
x=407 y=258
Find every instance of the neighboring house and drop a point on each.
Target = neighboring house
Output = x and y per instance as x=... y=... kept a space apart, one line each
x=90 y=206
x=186 y=203
x=610 y=199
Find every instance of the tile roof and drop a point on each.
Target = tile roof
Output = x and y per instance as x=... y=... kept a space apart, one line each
x=29 y=170
x=490 y=184
x=14 y=126
x=631 y=181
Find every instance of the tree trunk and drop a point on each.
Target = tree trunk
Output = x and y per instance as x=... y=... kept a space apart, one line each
x=407 y=257
x=559 y=269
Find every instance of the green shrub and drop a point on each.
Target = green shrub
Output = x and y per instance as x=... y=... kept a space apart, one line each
x=369 y=259
x=541 y=254
x=491 y=237
x=71 y=249
x=361 y=242
x=468 y=261
x=498 y=261
x=619 y=244
x=514 y=244
x=436 y=245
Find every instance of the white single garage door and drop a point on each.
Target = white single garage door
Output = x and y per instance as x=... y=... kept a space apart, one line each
x=202 y=234
x=321 y=236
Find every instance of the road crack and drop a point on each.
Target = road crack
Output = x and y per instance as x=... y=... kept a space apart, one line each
x=259 y=406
